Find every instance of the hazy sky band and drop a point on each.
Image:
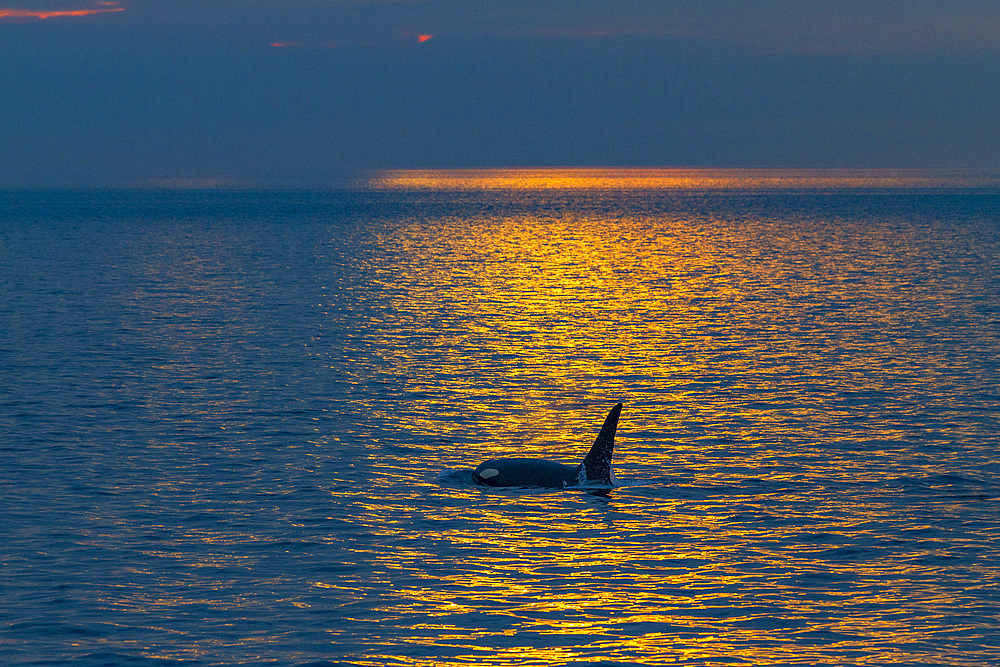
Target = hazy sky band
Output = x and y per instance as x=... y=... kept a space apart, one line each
x=300 y=92
x=780 y=25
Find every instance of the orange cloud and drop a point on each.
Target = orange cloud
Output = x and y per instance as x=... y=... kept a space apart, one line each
x=409 y=34
x=27 y=14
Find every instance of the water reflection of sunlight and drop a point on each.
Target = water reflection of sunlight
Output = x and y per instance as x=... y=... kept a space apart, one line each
x=728 y=324
x=557 y=178
x=746 y=349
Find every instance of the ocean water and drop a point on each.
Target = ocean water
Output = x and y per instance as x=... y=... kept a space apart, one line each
x=237 y=427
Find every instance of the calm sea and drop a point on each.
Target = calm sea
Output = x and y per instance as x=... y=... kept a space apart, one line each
x=237 y=427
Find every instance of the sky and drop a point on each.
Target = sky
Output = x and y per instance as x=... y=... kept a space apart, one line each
x=305 y=92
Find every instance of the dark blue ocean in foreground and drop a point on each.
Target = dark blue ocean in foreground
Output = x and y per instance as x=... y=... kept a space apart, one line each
x=238 y=427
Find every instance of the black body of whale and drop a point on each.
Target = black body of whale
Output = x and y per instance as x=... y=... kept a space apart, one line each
x=596 y=467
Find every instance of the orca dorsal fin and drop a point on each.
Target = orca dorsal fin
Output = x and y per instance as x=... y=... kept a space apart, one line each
x=597 y=465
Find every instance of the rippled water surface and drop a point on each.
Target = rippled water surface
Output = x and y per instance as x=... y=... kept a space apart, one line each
x=239 y=427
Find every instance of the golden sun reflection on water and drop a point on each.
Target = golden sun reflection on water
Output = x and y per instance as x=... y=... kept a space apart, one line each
x=535 y=578
x=676 y=179
x=766 y=366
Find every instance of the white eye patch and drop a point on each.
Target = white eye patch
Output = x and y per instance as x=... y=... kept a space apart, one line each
x=489 y=472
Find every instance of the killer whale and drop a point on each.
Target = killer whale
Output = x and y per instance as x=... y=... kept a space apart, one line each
x=596 y=467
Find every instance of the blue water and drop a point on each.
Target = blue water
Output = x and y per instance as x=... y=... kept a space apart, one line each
x=238 y=427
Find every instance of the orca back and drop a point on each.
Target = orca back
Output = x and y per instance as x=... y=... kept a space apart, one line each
x=527 y=472
x=596 y=467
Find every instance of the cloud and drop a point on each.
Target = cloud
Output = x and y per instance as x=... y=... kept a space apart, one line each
x=38 y=14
